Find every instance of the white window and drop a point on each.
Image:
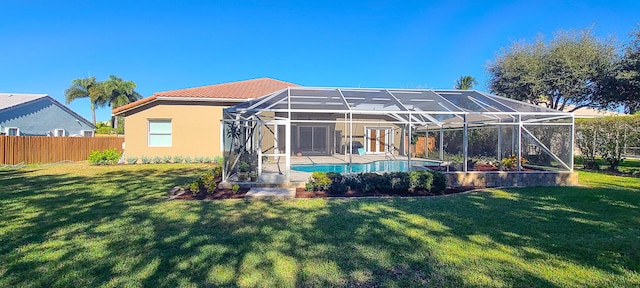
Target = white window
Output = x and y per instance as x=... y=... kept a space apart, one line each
x=159 y=132
x=13 y=131
x=58 y=132
x=87 y=133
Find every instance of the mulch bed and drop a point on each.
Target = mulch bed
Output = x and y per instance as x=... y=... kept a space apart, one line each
x=216 y=195
x=302 y=193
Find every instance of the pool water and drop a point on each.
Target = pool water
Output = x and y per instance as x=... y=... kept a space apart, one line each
x=375 y=166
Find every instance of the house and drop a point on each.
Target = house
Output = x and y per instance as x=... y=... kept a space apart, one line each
x=40 y=115
x=186 y=122
x=586 y=112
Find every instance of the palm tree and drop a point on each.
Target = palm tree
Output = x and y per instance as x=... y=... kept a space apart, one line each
x=465 y=83
x=117 y=92
x=84 y=88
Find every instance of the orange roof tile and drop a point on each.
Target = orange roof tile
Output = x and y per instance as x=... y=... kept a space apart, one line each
x=247 y=89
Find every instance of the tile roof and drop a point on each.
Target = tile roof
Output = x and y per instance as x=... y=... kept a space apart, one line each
x=8 y=100
x=234 y=91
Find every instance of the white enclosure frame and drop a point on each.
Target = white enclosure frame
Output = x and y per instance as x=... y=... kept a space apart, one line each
x=418 y=110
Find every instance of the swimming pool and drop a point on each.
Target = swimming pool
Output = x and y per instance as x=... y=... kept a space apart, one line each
x=375 y=166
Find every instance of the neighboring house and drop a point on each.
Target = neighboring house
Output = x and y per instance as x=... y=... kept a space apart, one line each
x=40 y=115
x=186 y=122
x=592 y=113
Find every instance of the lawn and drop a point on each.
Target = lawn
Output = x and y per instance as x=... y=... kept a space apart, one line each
x=76 y=225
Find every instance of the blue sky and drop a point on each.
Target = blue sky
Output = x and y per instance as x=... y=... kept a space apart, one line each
x=168 y=45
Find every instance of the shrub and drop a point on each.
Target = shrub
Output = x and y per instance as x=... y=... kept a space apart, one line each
x=439 y=182
x=187 y=159
x=177 y=159
x=399 y=181
x=511 y=162
x=209 y=180
x=308 y=186
x=157 y=160
x=420 y=181
x=146 y=160
x=243 y=167
x=198 y=159
x=132 y=160
x=337 y=186
x=104 y=157
x=235 y=188
x=218 y=159
x=166 y=159
x=207 y=159
x=320 y=181
x=352 y=181
x=196 y=186
x=372 y=182
x=217 y=171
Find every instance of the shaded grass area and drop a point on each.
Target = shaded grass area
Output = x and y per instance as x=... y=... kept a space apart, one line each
x=75 y=225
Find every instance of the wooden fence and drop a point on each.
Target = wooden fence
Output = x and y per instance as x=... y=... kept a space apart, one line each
x=38 y=149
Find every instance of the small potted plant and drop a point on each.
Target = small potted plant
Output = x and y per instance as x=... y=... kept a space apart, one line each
x=243 y=171
x=254 y=176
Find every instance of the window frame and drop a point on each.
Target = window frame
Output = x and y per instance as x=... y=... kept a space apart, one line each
x=93 y=133
x=8 y=131
x=149 y=133
x=55 y=132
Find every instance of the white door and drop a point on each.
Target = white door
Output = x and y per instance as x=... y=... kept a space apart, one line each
x=378 y=140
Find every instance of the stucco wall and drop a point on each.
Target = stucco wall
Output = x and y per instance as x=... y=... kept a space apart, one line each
x=41 y=117
x=195 y=129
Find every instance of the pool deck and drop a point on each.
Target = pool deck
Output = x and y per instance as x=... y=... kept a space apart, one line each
x=271 y=177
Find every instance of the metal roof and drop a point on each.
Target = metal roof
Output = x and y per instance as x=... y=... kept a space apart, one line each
x=440 y=107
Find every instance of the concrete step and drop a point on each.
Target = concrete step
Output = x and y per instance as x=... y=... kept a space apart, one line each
x=229 y=185
x=264 y=193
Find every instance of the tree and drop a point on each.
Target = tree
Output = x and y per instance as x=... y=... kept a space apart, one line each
x=628 y=76
x=465 y=83
x=117 y=92
x=84 y=88
x=568 y=70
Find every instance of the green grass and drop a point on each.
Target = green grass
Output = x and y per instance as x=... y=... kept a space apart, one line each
x=81 y=226
x=628 y=164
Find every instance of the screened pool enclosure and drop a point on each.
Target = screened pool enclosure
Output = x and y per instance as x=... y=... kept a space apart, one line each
x=458 y=129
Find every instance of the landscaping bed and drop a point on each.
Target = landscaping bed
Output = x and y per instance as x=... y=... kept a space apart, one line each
x=217 y=194
x=303 y=193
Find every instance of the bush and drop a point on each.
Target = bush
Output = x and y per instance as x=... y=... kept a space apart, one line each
x=104 y=157
x=198 y=159
x=420 y=181
x=352 y=181
x=166 y=159
x=157 y=160
x=146 y=160
x=337 y=186
x=218 y=159
x=320 y=180
x=209 y=180
x=399 y=181
x=308 y=187
x=177 y=159
x=243 y=167
x=439 y=182
x=187 y=159
x=196 y=186
x=132 y=160
x=372 y=182
x=207 y=159
x=217 y=171
x=235 y=188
